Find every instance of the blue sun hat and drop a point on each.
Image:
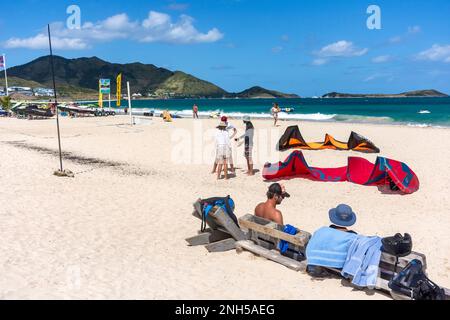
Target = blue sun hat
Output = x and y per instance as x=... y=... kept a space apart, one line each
x=343 y=216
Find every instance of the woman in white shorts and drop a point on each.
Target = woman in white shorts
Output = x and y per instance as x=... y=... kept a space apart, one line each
x=223 y=150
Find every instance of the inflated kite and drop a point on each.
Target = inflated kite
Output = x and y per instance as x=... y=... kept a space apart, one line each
x=395 y=174
x=292 y=139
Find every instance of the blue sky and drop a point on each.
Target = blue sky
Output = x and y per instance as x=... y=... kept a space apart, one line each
x=304 y=47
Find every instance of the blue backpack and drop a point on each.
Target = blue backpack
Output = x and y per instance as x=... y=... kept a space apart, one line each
x=226 y=203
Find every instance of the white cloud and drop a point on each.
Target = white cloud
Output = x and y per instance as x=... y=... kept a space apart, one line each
x=436 y=53
x=414 y=29
x=285 y=38
x=370 y=78
x=41 y=42
x=158 y=27
x=411 y=32
x=343 y=48
x=156 y=20
x=320 y=61
x=381 y=59
x=118 y=22
x=389 y=77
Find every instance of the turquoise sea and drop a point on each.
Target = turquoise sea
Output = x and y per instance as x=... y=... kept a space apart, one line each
x=406 y=111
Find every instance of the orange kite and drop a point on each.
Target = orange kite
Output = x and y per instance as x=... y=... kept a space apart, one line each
x=292 y=139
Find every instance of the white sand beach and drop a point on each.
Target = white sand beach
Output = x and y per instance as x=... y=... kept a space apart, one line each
x=117 y=230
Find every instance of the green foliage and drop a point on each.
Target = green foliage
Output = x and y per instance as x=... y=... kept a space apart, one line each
x=5 y=102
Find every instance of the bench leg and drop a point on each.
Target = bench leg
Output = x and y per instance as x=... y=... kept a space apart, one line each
x=207 y=238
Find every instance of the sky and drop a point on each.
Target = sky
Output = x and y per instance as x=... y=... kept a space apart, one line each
x=305 y=47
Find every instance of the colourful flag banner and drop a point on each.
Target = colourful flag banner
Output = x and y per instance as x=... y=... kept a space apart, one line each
x=2 y=61
x=119 y=89
x=100 y=94
x=105 y=86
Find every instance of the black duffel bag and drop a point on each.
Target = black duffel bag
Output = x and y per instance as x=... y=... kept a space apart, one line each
x=413 y=282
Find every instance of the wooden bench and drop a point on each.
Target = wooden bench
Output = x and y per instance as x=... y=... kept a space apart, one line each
x=268 y=235
x=222 y=233
x=265 y=237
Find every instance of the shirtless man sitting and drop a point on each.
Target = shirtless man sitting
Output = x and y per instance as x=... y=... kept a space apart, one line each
x=268 y=210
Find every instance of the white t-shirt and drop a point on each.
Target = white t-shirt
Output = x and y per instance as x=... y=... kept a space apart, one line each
x=222 y=138
x=230 y=127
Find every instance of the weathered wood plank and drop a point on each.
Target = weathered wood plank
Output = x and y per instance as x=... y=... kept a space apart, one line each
x=207 y=238
x=403 y=261
x=249 y=222
x=223 y=219
x=222 y=246
x=270 y=255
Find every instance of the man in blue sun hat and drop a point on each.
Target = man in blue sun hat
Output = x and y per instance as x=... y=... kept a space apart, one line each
x=334 y=244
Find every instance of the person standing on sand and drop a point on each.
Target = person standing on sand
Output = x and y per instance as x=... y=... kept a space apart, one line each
x=229 y=128
x=248 y=140
x=275 y=111
x=195 y=111
x=268 y=210
x=223 y=147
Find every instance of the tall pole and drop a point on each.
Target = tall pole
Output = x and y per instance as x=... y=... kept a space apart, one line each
x=56 y=98
x=129 y=103
x=109 y=101
x=6 y=74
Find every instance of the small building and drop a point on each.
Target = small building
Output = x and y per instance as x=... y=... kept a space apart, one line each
x=43 y=92
x=26 y=91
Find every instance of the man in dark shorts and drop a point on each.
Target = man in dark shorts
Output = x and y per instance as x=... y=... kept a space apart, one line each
x=248 y=140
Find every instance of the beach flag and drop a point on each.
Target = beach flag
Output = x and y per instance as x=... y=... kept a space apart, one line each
x=3 y=65
x=105 y=86
x=100 y=94
x=119 y=89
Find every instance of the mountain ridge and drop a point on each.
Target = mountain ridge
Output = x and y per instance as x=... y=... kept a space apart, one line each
x=82 y=75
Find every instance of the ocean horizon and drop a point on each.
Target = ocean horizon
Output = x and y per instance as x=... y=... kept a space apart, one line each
x=421 y=112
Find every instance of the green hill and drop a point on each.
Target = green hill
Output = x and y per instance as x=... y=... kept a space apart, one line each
x=79 y=78
x=18 y=82
x=258 y=92
x=182 y=84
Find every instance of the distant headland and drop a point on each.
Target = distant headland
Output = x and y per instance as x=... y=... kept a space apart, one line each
x=410 y=94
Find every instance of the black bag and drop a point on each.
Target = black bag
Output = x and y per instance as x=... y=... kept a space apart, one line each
x=413 y=282
x=398 y=245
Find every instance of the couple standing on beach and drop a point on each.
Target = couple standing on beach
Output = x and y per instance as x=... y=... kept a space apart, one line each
x=224 y=150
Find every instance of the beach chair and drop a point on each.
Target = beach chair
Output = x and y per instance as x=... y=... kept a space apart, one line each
x=222 y=233
x=265 y=237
